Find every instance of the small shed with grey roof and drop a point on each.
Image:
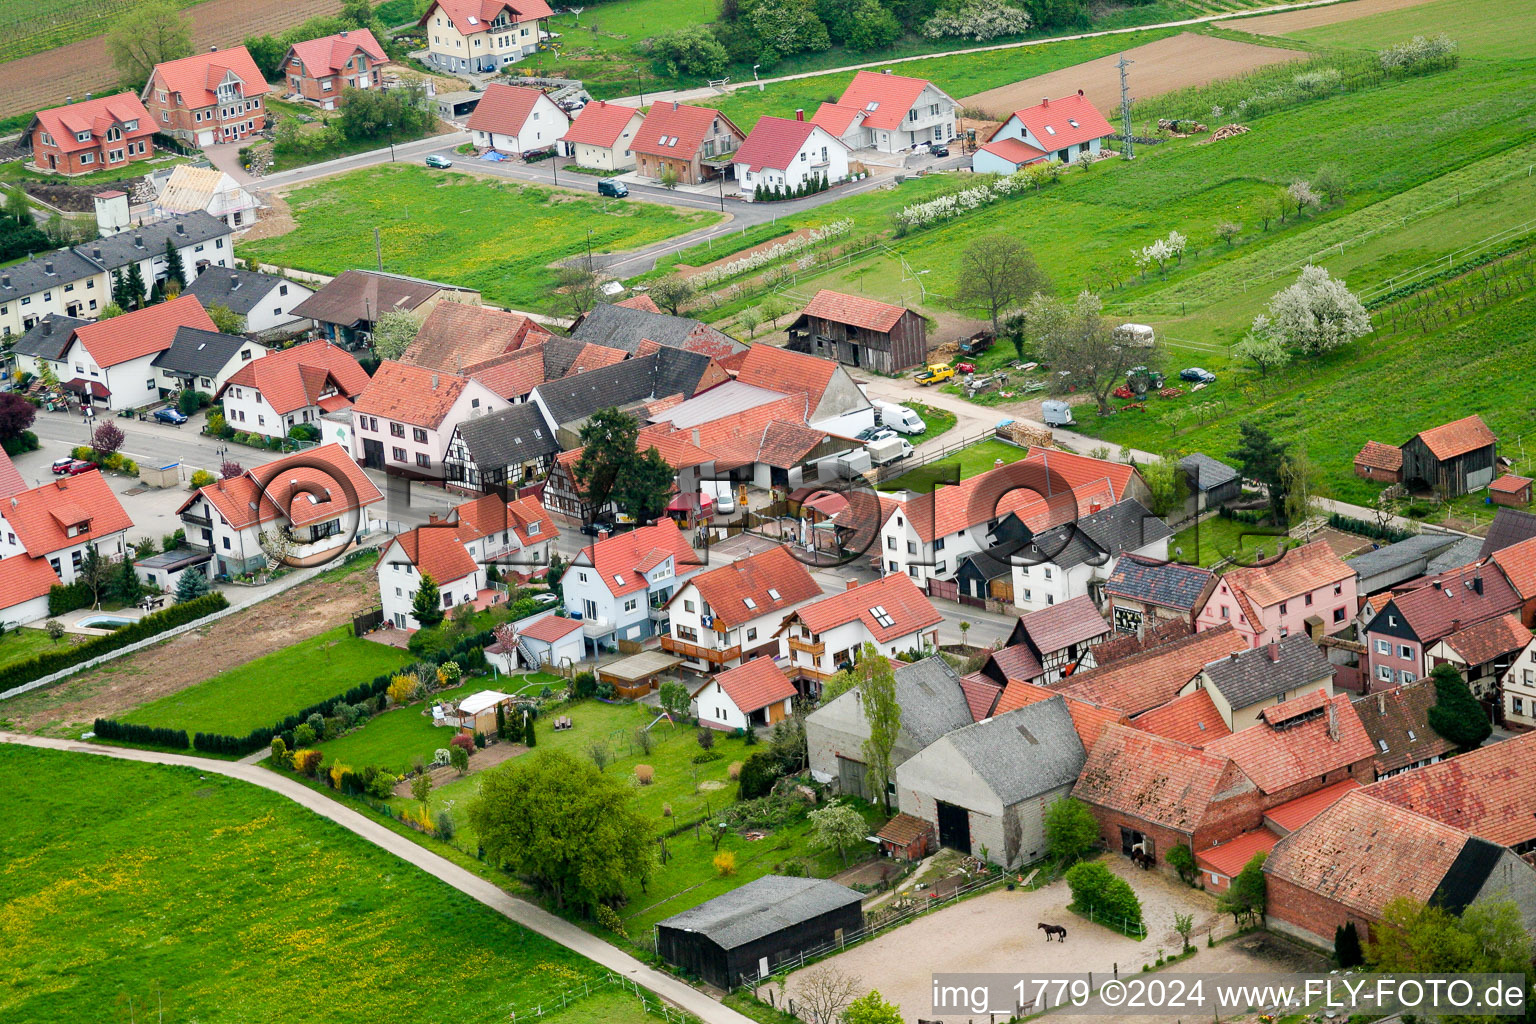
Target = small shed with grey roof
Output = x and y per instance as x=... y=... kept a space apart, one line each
x=1245 y=683
x=497 y=452
x=988 y=784
x=1212 y=483
x=932 y=705
x=1390 y=564
x=744 y=934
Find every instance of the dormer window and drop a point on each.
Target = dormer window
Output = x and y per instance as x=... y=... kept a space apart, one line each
x=82 y=136
x=533 y=529
x=129 y=126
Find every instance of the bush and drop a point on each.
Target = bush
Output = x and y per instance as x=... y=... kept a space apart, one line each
x=708 y=756
x=645 y=774
x=307 y=762
x=442 y=821
x=280 y=753
x=1183 y=861
x=64 y=598
x=202 y=478
x=22 y=443
x=463 y=741
x=725 y=863
x=757 y=776
x=304 y=735
x=149 y=735
x=585 y=684
x=1101 y=892
x=479 y=739
x=606 y=691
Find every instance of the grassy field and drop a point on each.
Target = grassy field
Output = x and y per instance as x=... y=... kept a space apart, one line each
x=1214 y=539
x=207 y=899
x=260 y=692
x=494 y=235
x=21 y=644
x=978 y=458
x=1487 y=29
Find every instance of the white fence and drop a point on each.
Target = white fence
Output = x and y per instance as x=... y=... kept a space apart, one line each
x=648 y=1001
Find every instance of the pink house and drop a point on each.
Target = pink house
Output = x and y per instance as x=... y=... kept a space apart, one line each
x=1309 y=589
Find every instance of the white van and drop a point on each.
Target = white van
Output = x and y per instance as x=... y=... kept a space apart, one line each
x=722 y=493
x=890 y=450
x=900 y=418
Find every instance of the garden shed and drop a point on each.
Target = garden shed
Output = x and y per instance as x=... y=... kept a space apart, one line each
x=743 y=934
x=477 y=712
x=1452 y=459
x=1511 y=490
x=1212 y=483
x=638 y=674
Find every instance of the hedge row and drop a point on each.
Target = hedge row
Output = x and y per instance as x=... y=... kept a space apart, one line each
x=153 y=735
x=68 y=597
x=48 y=662
x=1349 y=524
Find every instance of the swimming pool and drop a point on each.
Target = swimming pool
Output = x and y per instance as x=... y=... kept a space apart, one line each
x=105 y=622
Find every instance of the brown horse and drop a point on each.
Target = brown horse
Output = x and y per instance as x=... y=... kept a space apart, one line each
x=1053 y=931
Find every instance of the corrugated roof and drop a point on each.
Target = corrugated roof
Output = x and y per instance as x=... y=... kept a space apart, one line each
x=761 y=908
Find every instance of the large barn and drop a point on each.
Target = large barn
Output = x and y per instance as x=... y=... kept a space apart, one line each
x=1451 y=459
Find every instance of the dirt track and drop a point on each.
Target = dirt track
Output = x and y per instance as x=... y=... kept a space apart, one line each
x=1163 y=66
x=1294 y=21
x=46 y=79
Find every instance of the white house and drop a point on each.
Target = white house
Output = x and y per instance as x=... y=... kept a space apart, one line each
x=756 y=694
x=406 y=416
x=318 y=498
x=113 y=361
x=822 y=637
x=481 y=35
x=1066 y=130
x=785 y=154
x=1074 y=560
x=547 y=640
x=200 y=360
x=58 y=521
x=727 y=616
x=889 y=112
x=432 y=551
x=600 y=135
x=515 y=536
x=24 y=585
x=515 y=119
x=272 y=395
x=619 y=586
x=1518 y=689
x=265 y=301
x=201 y=240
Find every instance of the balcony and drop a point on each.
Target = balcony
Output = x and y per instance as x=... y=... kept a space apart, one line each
x=593 y=629
x=657 y=613
x=816 y=649
x=717 y=655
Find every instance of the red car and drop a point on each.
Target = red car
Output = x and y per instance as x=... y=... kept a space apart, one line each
x=80 y=466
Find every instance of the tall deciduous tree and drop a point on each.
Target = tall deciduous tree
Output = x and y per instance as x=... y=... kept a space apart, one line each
x=672 y=293
x=578 y=287
x=1315 y=314
x=393 y=333
x=1244 y=898
x=1079 y=341
x=226 y=320
x=1071 y=831
x=1412 y=937
x=427 y=605
x=877 y=688
x=564 y=825
x=996 y=273
x=16 y=415
x=1303 y=483
x=268 y=52
x=825 y=992
x=871 y=1008
x=1261 y=457
x=95 y=572
x=1167 y=483
x=145 y=36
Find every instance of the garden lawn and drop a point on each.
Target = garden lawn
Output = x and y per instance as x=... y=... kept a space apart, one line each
x=937 y=421
x=21 y=644
x=261 y=692
x=206 y=899
x=978 y=458
x=495 y=235
x=1214 y=539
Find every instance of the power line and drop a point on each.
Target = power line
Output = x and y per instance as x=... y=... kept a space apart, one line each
x=1125 y=108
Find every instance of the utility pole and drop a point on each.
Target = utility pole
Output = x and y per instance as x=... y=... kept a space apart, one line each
x=1129 y=151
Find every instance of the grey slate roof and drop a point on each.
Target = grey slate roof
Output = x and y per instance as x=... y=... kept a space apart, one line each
x=198 y=353
x=48 y=338
x=508 y=437
x=121 y=249
x=622 y=327
x=1124 y=526
x=1509 y=526
x=361 y=295
x=1023 y=753
x=236 y=290
x=32 y=276
x=761 y=908
x=1405 y=552
x=932 y=702
x=1248 y=677
x=1466 y=551
x=668 y=372
x=989 y=567
x=559 y=354
x=1208 y=472
x=1165 y=584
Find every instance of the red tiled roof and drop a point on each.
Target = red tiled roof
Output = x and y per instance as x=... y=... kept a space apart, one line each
x=645 y=302
x=510 y=376
x=683 y=122
x=1015 y=151
x=594 y=356
x=754 y=685
x=981 y=694
x=773 y=143
x=549 y=629
x=1127 y=644
x=1364 y=853
x=600 y=124
x=10 y=477
x=1233 y=855
x=1016 y=488
x=142 y=332
x=95 y=116
x=1298 y=571
x=854 y=310
x=1017 y=661
x=328 y=55
x=785 y=445
x=457 y=335
x=526 y=511
x=472 y=16
x=435 y=552
x=1450 y=602
x=834 y=117
x=1191 y=719
x=305 y=487
x=294 y=378
x=1051 y=122
x=893 y=96
x=24 y=577
x=1509 y=483
x=410 y=394
x=1088 y=719
x=489 y=514
x=1293 y=814
x=779 y=369
x=1150 y=777
x=1277 y=758
x=1140 y=682
x=1457 y=437
x=196 y=77
x=1490 y=791
x=904 y=829
x=1060 y=626
x=504 y=109
x=756 y=578
x=41 y=516
x=1376 y=455
x=1518 y=563
x=1489 y=639
x=908 y=608
x=624 y=554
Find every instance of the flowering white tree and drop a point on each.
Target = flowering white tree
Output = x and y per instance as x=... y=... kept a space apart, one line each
x=1302 y=195
x=1316 y=314
x=979 y=20
x=1261 y=348
x=1175 y=243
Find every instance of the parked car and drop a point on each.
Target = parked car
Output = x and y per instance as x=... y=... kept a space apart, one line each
x=616 y=189
x=935 y=374
x=592 y=529
x=939 y=151
x=874 y=434
x=170 y=415
x=78 y=466
x=438 y=161
x=545 y=599
x=61 y=466
x=1199 y=376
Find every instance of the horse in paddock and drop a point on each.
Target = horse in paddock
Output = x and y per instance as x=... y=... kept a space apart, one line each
x=1053 y=931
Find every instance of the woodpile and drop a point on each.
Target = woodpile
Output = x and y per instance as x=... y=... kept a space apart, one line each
x=945 y=352
x=1226 y=131
x=1026 y=436
x=1180 y=129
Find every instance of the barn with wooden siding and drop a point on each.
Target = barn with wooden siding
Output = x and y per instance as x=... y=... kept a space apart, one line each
x=857 y=331
x=1451 y=459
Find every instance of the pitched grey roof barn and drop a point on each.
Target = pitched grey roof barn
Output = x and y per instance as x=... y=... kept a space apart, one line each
x=762 y=907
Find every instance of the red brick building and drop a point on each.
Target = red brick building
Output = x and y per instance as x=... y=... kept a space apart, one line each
x=1380 y=462
x=320 y=70
x=99 y=134
x=207 y=98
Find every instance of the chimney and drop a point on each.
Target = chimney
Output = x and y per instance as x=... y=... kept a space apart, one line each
x=95 y=252
x=602 y=534
x=234 y=282
x=138 y=241
x=1455 y=625
x=799 y=113
x=887 y=71
x=5 y=280
x=1381 y=704
x=343 y=33
x=1436 y=584
x=1274 y=651
x=997 y=463
x=1477 y=583
x=213 y=49
x=674 y=104
x=852 y=584
x=47 y=325
x=695 y=437
x=1233 y=656
x=1045 y=102
x=1333 y=721
x=434 y=382
x=48 y=267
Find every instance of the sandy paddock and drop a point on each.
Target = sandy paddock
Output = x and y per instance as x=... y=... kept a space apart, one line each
x=1163 y=66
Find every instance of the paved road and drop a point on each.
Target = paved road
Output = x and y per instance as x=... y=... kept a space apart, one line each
x=519 y=911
